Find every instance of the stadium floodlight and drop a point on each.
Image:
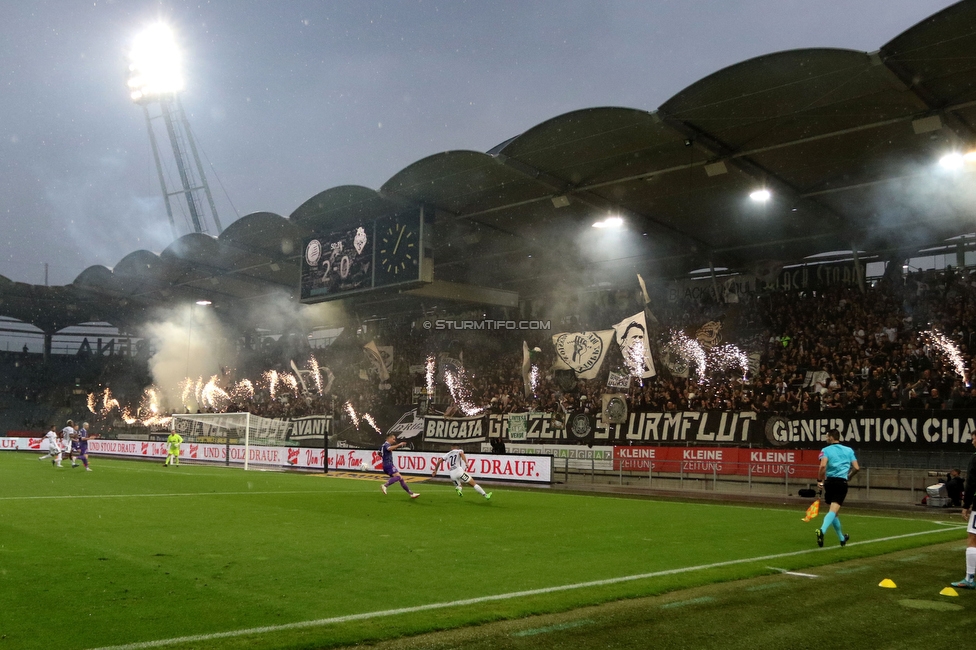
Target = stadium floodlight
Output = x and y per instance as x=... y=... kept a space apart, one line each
x=609 y=222
x=761 y=196
x=204 y=303
x=951 y=161
x=156 y=78
x=154 y=64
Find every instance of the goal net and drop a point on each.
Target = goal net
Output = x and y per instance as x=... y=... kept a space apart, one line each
x=250 y=441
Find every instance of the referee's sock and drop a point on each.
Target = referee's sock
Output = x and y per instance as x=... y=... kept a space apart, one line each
x=828 y=521
x=836 y=525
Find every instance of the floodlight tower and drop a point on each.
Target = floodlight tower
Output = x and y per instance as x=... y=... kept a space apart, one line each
x=155 y=78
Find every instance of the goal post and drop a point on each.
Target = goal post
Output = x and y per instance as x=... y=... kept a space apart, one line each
x=251 y=441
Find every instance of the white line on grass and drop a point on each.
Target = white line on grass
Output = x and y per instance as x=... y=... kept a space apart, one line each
x=487 y=599
x=792 y=573
x=173 y=494
x=657 y=499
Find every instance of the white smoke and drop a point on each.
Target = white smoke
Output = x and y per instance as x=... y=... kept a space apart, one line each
x=188 y=342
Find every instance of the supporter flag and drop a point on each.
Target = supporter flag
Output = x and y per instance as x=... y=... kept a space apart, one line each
x=581 y=352
x=651 y=318
x=374 y=356
x=447 y=361
x=618 y=380
x=386 y=351
x=709 y=334
x=301 y=377
x=631 y=335
x=676 y=364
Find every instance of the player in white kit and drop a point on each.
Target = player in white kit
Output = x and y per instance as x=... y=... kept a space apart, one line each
x=457 y=465
x=69 y=436
x=53 y=447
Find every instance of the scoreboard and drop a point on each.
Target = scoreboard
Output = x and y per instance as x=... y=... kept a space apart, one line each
x=385 y=252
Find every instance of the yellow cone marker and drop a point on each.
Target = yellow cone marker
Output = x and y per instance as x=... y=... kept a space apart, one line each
x=948 y=591
x=888 y=583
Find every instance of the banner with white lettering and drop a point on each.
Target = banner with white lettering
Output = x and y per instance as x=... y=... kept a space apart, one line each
x=949 y=430
x=737 y=461
x=680 y=427
x=438 y=428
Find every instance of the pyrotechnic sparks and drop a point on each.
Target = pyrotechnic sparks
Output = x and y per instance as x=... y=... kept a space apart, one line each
x=243 y=391
x=313 y=363
x=213 y=396
x=272 y=378
x=290 y=381
x=634 y=360
x=689 y=351
x=949 y=350
x=186 y=388
x=149 y=404
x=724 y=357
x=352 y=413
x=534 y=378
x=460 y=393
x=431 y=373
x=109 y=402
x=91 y=402
x=369 y=420
x=128 y=417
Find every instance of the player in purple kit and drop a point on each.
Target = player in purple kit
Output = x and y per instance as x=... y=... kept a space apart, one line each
x=386 y=451
x=83 y=437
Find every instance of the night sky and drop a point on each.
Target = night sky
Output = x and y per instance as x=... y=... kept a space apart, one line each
x=288 y=99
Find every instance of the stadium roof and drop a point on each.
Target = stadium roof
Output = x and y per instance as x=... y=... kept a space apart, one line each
x=846 y=142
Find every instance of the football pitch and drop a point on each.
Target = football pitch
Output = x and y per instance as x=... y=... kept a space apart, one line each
x=137 y=555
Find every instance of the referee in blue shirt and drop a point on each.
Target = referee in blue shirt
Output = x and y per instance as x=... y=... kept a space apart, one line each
x=837 y=466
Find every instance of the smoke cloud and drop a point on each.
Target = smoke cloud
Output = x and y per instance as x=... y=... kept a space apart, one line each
x=189 y=341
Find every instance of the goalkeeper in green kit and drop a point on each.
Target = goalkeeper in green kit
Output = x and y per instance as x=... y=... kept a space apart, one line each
x=173 y=443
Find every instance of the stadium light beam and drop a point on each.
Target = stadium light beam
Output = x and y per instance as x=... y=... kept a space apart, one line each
x=761 y=196
x=154 y=64
x=609 y=222
x=155 y=77
x=951 y=161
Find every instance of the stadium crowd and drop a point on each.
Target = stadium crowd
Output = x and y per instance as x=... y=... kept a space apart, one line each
x=810 y=351
x=836 y=348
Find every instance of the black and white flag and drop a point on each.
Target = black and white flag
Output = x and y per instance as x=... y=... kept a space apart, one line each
x=581 y=352
x=631 y=335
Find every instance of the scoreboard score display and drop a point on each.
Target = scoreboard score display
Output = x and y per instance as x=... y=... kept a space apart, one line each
x=386 y=252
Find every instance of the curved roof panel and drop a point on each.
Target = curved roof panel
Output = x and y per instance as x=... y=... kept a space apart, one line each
x=342 y=206
x=263 y=234
x=845 y=141
x=936 y=55
x=596 y=144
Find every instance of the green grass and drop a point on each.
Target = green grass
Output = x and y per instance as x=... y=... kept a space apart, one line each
x=843 y=608
x=138 y=552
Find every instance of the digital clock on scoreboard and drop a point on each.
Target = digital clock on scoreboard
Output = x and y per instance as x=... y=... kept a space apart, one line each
x=382 y=253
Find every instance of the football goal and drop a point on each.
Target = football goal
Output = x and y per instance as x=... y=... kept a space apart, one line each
x=252 y=441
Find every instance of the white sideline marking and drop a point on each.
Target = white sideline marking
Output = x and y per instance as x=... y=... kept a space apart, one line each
x=150 y=494
x=487 y=599
x=792 y=573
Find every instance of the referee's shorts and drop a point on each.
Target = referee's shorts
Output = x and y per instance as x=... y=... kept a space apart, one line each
x=835 y=490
